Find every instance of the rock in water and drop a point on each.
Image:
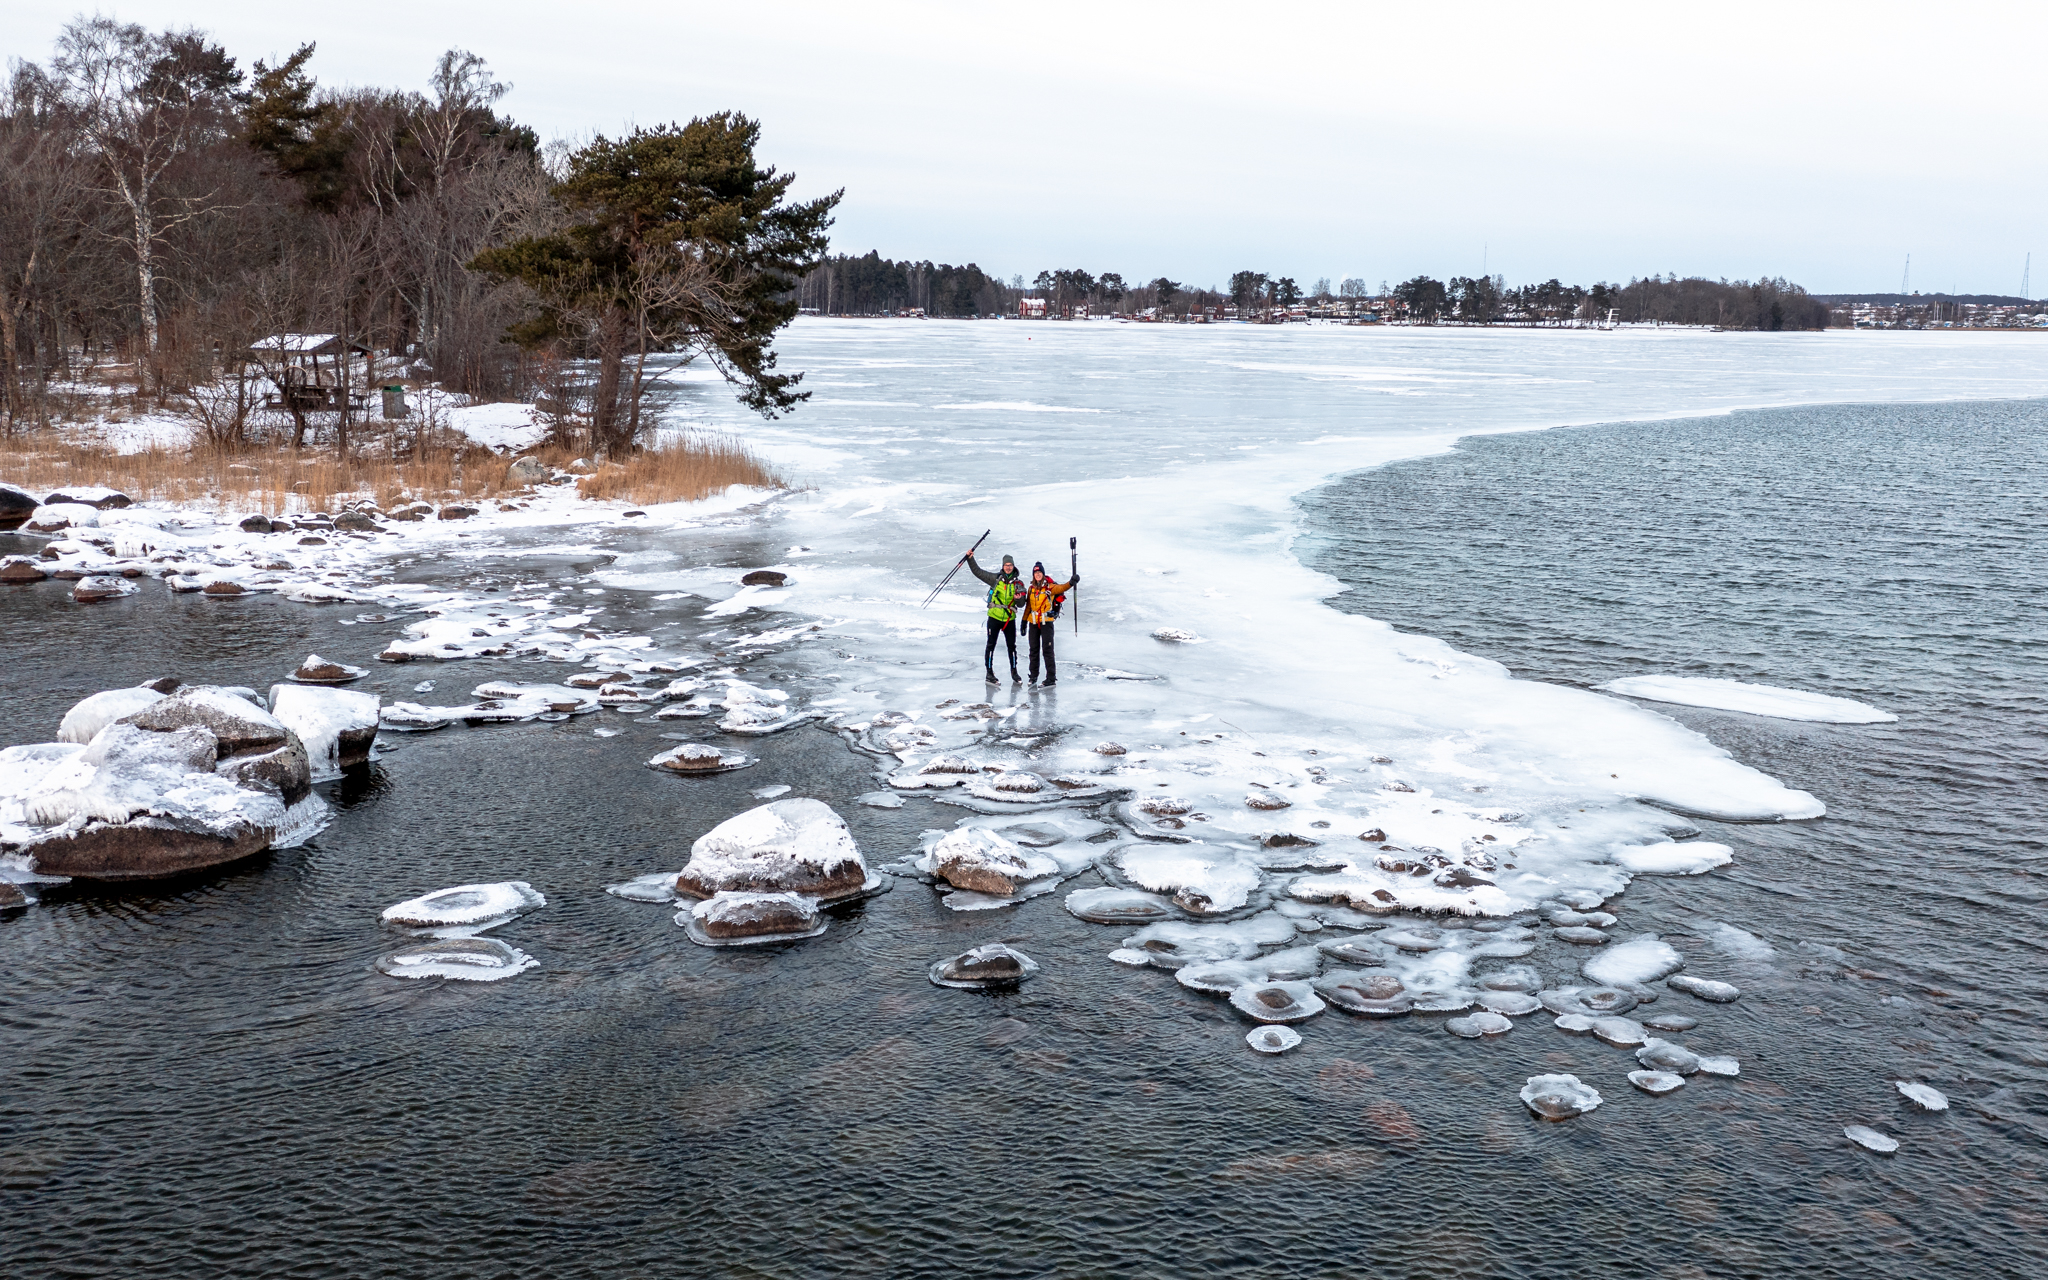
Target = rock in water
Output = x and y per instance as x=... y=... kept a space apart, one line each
x=1379 y=995
x=1662 y=1055
x=465 y=959
x=764 y=578
x=979 y=860
x=16 y=506
x=1582 y=935
x=98 y=587
x=1559 y=1097
x=1622 y=1033
x=1274 y=1039
x=1924 y=1096
x=1671 y=1022
x=338 y=726
x=318 y=670
x=1870 y=1139
x=691 y=757
x=1642 y=959
x=1720 y=1066
x=20 y=570
x=1704 y=988
x=1484 y=1023
x=740 y=917
x=991 y=965
x=1656 y=1082
x=1513 y=1004
x=467 y=904
x=1276 y=1001
x=237 y=723
x=785 y=846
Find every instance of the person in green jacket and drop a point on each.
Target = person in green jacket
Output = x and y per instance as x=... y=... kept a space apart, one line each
x=1005 y=596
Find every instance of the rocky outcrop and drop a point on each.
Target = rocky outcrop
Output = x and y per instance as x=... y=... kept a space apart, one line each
x=337 y=726
x=19 y=570
x=97 y=499
x=787 y=846
x=977 y=859
x=730 y=916
x=764 y=578
x=355 y=522
x=239 y=725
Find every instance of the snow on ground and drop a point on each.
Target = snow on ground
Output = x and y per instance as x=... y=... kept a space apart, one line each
x=504 y=427
x=1756 y=699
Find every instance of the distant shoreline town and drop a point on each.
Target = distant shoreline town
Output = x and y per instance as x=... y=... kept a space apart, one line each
x=872 y=285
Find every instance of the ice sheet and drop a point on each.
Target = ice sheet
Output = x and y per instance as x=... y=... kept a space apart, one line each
x=1756 y=699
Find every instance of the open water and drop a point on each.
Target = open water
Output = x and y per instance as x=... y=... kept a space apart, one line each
x=208 y=1078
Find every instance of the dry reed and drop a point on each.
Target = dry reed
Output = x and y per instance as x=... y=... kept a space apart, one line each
x=277 y=482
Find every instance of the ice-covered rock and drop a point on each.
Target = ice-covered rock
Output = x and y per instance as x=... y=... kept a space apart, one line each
x=236 y=721
x=1174 y=635
x=1416 y=938
x=1266 y=800
x=1580 y=935
x=1516 y=977
x=464 y=959
x=1622 y=1033
x=1755 y=699
x=742 y=917
x=1474 y=1025
x=1201 y=880
x=699 y=758
x=1870 y=1139
x=1924 y=1096
x=785 y=846
x=1662 y=1055
x=1720 y=1065
x=1559 y=1097
x=1170 y=944
x=1272 y=1039
x=337 y=726
x=140 y=804
x=16 y=506
x=980 y=860
x=1670 y=1022
x=95 y=588
x=1656 y=1082
x=1276 y=1001
x=658 y=887
x=1110 y=748
x=1641 y=959
x=53 y=517
x=1512 y=1003
x=1371 y=995
x=90 y=715
x=1013 y=787
x=990 y=965
x=1574 y=1024
x=1111 y=905
x=467 y=904
x=757 y=720
x=1707 y=989
x=318 y=670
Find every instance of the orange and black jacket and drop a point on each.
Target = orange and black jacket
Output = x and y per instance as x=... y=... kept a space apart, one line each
x=1039 y=598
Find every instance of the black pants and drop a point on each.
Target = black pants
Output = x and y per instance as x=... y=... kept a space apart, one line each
x=1008 y=631
x=1038 y=639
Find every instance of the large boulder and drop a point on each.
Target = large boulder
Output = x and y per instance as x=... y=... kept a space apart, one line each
x=338 y=726
x=732 y=916
x=240 y=725
x=134 y=804
x=786 y=846
x=978 y=859
x=91 y=496
x=57 y=517
x=287 y=769
x=20 y=569
x=527 y=471
x=16 y=506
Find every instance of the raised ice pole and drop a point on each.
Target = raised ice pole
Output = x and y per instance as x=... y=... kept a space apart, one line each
x=955 y=569
x=1074 y=550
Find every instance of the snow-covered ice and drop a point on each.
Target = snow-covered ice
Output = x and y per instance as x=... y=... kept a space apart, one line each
x=1559 y=1097
x=336 y=725
x=1924 y=1096
x=1645 y=958
x=1756 y=699
x=463 y=959
x=467 y=904
x=1870 y=1139
x=1674 y=858
x=1708 y=989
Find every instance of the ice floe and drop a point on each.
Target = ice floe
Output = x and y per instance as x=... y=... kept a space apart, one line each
x=1656 y=1082
x=1645 y=958
x=467 y=904
x=1201 y=880
x=1870 y=1139
x=1111 y=905
x=1719 y=1065
x=1276 y=1001
x=1662 y=1055
x=1924 y=1096
x=463 y=959
x=1475 y=1025
x=1707 y=989
x=1673 y=858
x=1756 y=699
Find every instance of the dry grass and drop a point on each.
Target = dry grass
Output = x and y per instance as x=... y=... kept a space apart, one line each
x=275 y=482
x=684 y=470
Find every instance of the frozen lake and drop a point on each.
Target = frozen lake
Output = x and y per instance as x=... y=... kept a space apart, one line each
x=211 y=1076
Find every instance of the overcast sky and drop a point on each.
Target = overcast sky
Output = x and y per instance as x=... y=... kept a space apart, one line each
x=1822 y=142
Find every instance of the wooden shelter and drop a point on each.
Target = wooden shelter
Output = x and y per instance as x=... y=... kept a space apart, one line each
x=315 y=370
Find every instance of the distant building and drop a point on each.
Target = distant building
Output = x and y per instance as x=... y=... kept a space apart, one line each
x=1031 y=308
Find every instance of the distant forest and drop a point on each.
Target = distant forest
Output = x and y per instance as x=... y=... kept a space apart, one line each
x=874 y=285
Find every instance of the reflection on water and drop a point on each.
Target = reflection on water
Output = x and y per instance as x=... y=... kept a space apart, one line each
x=208 y=1077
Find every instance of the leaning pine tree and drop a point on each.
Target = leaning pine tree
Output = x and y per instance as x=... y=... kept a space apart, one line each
x=677 y=242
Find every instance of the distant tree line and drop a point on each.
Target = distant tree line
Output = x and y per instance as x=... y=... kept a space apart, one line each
x=163 y=207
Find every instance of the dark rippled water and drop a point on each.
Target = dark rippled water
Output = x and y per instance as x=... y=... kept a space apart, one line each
x=209 y=1079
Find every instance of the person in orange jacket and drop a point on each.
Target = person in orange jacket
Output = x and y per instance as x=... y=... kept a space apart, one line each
x=1041 y=599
